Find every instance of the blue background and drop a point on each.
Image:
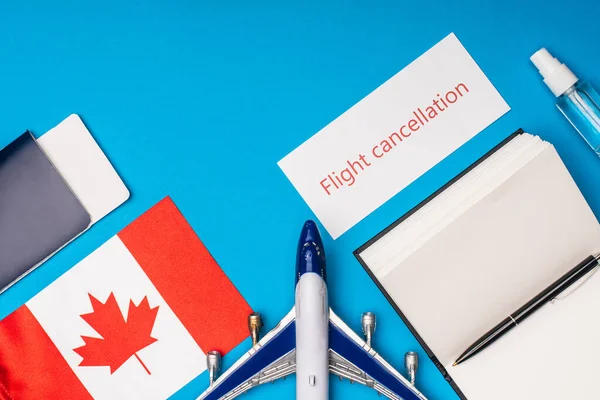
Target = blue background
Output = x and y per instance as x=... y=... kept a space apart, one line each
x=200 y=101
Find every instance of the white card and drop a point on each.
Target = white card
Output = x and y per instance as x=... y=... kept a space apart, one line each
x=394 y=135
x=85 y=168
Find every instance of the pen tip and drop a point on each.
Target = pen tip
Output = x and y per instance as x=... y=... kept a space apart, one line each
x=455 y=364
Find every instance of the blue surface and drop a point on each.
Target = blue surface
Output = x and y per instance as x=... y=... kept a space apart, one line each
x=200 y=101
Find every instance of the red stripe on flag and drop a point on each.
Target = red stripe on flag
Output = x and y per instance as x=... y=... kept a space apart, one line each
x=31 y=367
x=188 y=277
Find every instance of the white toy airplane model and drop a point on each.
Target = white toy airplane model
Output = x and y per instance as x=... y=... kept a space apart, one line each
x=311 y=341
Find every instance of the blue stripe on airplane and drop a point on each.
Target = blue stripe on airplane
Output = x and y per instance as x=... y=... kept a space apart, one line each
x=354 y=353
x=281 y=344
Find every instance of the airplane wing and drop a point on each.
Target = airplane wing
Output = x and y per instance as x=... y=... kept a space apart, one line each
x=351 y=358
x=273 y=357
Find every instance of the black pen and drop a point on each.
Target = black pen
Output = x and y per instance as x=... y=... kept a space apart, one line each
x=551 y=292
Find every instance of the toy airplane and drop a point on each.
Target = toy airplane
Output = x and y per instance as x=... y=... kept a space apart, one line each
x=311 y=341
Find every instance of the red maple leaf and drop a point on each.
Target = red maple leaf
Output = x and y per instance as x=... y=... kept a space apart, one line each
x=121 y=339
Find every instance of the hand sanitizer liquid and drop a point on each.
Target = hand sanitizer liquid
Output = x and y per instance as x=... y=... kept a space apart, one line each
x=576 y=99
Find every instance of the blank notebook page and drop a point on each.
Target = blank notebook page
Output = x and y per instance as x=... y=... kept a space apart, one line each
x=480 y=250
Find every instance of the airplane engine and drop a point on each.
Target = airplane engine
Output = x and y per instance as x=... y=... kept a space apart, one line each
x=368 y=322
x=254 y=326
x=411 y=362
x=213 y=363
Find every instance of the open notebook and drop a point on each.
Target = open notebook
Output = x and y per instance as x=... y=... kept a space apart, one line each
x=477 y=250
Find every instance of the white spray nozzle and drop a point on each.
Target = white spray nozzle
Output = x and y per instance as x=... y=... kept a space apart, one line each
x=544 y=62
x=557 y=76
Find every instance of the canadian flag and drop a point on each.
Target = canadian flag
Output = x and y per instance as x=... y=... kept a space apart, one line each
x=133 y=320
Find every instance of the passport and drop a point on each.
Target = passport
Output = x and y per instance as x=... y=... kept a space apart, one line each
x=39 y=213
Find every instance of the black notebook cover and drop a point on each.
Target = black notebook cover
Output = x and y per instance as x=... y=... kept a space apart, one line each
x=357 y=252
x=38 y=211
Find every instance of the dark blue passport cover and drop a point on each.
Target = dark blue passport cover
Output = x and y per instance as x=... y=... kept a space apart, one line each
x=38 y=211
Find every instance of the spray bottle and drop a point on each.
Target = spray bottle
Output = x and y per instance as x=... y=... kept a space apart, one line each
x=576 y=99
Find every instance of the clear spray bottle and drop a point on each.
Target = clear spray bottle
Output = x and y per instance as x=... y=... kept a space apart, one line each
x=576 y=99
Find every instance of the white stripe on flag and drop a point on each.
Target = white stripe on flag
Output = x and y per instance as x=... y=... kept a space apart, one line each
x=173 y=360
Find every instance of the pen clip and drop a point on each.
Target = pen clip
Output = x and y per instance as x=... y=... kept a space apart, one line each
x=570 y=291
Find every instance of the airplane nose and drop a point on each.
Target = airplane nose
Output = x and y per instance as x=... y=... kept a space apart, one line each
x=310 y=232
x=310 y=255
